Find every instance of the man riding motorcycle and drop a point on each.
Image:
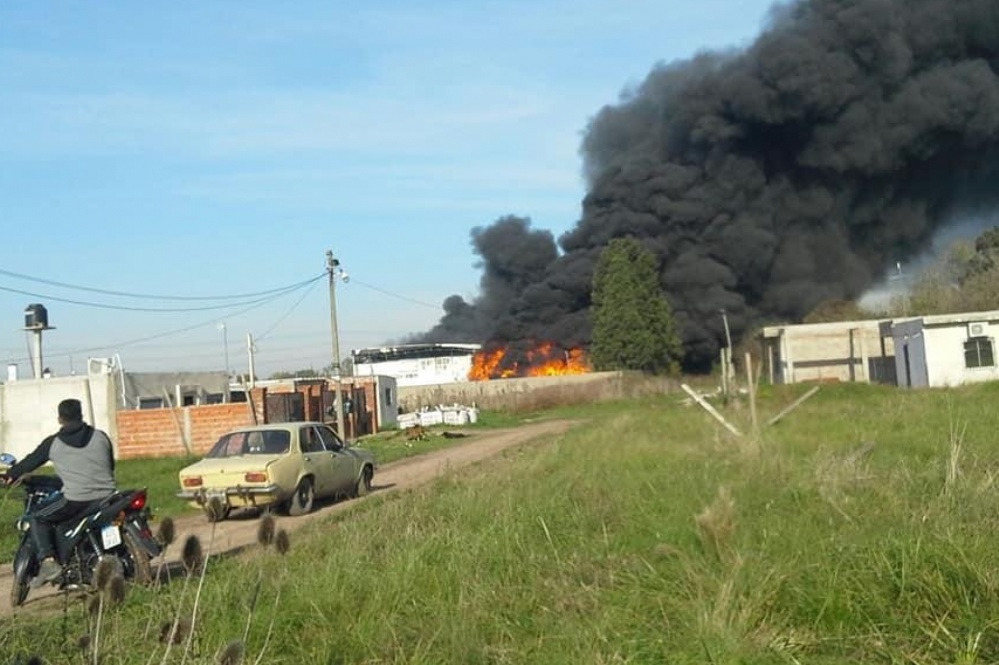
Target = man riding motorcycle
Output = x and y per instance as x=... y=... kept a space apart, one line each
x=84 y=459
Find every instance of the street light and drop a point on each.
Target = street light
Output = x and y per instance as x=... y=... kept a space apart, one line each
x=335 y=272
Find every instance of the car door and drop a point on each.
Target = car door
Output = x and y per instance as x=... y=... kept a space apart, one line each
x=317 y=459
x=345 y=469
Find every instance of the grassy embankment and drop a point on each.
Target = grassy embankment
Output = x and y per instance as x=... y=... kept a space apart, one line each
x=647 y=535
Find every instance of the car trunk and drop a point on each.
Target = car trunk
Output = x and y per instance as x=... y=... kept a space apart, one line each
x=229 y=471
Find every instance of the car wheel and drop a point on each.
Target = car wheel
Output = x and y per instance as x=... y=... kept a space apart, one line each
x=303 y=498
x=363 y=487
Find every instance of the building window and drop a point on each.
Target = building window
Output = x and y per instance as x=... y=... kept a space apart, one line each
x=388 y=397
x=978 y=352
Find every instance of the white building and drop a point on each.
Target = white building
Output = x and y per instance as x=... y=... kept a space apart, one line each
x=946 y=349
x=417 y=364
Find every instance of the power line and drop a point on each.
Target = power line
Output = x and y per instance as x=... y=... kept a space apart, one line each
x=288 y=313
x=127 y=308
x=150 y=296
x=394 y=295
x=176 y=331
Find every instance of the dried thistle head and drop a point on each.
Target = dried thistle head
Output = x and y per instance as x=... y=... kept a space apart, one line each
x=191 y=555
x=281 y=542
x=265 y=531
x=83 y=642
x=116 y=590
x=35 y=660
x=107 y=567
x=214 y=509
x=233 y=653
x=167 y=532
x=174 y=632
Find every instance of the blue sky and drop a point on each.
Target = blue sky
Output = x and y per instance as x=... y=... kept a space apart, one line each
x=196 y=149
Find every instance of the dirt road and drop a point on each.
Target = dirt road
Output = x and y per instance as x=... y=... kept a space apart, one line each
x=240 y=531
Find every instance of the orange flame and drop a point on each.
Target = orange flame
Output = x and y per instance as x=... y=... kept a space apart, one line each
x=543 y=360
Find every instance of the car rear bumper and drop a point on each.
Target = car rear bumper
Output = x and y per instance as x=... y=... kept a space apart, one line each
x=234 y=496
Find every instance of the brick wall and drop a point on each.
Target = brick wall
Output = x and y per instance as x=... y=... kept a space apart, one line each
x=163 y=432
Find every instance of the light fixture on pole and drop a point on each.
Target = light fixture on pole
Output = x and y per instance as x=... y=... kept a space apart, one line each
x=36 y=321
x=335 y=271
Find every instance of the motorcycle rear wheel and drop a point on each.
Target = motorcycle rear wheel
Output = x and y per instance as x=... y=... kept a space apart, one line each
x=142 y=571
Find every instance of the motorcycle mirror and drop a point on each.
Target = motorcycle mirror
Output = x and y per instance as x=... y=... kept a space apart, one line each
x=6 y=459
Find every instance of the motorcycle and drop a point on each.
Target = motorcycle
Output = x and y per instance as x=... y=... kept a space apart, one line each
x=117 y=527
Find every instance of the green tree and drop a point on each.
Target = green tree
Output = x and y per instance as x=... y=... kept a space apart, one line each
x=633 y=325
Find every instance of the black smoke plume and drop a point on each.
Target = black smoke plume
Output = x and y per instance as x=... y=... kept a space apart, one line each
x=767 y=180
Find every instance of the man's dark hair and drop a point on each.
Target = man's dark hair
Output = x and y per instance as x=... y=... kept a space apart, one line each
x=70 y=410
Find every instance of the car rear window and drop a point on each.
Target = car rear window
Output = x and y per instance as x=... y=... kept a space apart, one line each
x=270 y=442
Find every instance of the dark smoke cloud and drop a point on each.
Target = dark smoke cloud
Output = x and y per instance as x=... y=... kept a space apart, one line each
x=770 y=179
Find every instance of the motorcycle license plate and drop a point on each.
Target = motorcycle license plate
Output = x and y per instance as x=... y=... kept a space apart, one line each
x=111 y=537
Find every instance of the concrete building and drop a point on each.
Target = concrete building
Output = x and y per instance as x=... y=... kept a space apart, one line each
x=417 y=364
x=837 y=351
x=946 y=349
x=160 y=414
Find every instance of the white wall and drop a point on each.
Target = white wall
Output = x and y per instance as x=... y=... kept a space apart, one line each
x=945 y=356
x=420 y=371
x=28 y=408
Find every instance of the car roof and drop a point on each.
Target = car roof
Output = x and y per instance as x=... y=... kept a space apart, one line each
x=277 y=426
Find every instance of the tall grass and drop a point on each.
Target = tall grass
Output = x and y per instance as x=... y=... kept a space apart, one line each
x=861 y=529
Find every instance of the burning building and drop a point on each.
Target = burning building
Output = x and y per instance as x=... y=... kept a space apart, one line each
x=768 y=179
x=417 y=364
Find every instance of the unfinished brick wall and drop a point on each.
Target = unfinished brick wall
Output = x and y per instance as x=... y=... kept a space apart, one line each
x=163 y=432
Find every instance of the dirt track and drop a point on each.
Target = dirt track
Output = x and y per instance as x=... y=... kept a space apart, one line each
x=241 y=531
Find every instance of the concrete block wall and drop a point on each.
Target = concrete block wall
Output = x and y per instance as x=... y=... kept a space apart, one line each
x=28 y=408
x=535 y=392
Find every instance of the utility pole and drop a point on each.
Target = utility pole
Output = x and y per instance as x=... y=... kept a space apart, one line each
x=249 y=352
x=334 y=270
x=225 y=347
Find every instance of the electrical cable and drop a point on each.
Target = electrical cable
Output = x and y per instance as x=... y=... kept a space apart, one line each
x=393 y=295
x=286 y=314
x=150 y=296
x=128 y=308
x=168 y=333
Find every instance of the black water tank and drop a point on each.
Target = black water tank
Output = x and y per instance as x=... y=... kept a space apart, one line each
x=36 y=316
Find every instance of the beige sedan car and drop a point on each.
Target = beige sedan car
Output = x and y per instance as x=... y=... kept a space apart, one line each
x=286 y=466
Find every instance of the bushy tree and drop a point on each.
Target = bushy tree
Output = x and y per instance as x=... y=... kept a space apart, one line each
x=965 y=279
x=633 y=325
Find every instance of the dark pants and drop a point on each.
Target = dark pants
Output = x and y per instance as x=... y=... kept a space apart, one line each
x=45 y=517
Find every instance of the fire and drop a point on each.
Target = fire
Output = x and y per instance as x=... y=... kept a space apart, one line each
x=542 y=360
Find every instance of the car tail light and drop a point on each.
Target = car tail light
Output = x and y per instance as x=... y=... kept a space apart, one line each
x=192 y=481
x=138 y=501
x=256 y=477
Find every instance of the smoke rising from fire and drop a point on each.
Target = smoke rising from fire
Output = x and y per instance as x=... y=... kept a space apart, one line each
x=769 y=179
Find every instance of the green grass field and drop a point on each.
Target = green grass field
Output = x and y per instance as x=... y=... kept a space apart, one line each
x=859 y=529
